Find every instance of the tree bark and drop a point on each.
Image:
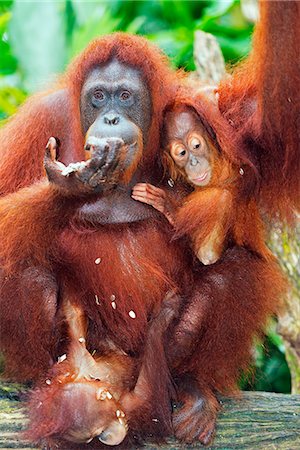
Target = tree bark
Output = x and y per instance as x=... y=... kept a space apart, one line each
x=256 y=420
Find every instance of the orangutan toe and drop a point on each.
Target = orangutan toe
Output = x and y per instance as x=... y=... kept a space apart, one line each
x=196 y=420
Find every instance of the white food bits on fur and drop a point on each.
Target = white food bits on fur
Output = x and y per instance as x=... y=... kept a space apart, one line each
x=155 y=420
x=101 y=394
x=48 y=382
x=120 y=413
x=61 y=358
x=89 y=440
x=132 y=314
x=81 y=340
x=97 y=261
x=97 y=299
x=241 y=171
x=113 y=303
x=109 y=396
x=171 y=182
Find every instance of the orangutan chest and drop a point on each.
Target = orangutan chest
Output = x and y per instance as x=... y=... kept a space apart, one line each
x=119 y=277
x=122 y=267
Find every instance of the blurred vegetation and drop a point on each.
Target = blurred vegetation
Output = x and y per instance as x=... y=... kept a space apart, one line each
x=38 y=39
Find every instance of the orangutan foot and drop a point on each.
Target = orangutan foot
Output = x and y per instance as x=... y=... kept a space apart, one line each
x=195 y=420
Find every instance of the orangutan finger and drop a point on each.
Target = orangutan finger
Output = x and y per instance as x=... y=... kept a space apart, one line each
x=149 y=200
x=147 y=188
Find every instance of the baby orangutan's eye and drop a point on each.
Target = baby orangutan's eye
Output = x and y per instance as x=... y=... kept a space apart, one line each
x=182 y=152
x=195 y=143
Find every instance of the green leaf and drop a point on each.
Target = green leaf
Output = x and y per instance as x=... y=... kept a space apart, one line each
x=234 y=49
x=37 y=36
x=10 y=99
x=99 y=24
x=8 y=63
x=136 y=24
x=5 y=5
x=216 y=9
x=177 y=44
x=85 y=10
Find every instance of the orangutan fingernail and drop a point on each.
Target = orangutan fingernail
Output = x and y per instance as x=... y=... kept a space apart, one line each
x=123 y=423
x=120 y=413
x=101 y=394
x=61 y=358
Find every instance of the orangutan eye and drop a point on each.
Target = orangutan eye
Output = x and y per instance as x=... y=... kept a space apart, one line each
x=183 y=152
x=98 y=94
x=195 y=143
x=125 y=95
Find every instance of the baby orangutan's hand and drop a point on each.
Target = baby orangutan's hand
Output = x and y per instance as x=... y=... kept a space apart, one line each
x=156 y=197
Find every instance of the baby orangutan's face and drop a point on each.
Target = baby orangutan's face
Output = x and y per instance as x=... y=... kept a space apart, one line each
x=188 y=146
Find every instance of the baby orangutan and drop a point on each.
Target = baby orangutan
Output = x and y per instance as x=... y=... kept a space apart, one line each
x=213 y=215
x=85 y=396
x=80 y=398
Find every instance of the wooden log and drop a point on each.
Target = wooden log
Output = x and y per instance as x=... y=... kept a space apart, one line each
x=256 y=420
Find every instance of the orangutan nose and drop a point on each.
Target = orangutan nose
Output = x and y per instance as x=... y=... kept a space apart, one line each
x=111 y=119
x=193 y=160
x=114 y=434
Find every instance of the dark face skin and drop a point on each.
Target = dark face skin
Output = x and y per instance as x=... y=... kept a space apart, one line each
x=115 y=102
x=188 y=147
x=116 y=109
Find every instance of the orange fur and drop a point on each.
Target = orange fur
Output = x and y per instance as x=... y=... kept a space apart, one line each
x=218 y=214
x=261 y=101
x=46 y=251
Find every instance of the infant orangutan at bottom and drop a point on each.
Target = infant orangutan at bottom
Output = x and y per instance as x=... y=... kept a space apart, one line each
x=86 y=397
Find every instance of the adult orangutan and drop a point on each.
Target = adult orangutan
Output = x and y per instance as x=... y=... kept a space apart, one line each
x=113 y=256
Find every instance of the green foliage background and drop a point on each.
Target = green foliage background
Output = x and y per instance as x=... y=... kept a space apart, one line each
x=38 y=39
